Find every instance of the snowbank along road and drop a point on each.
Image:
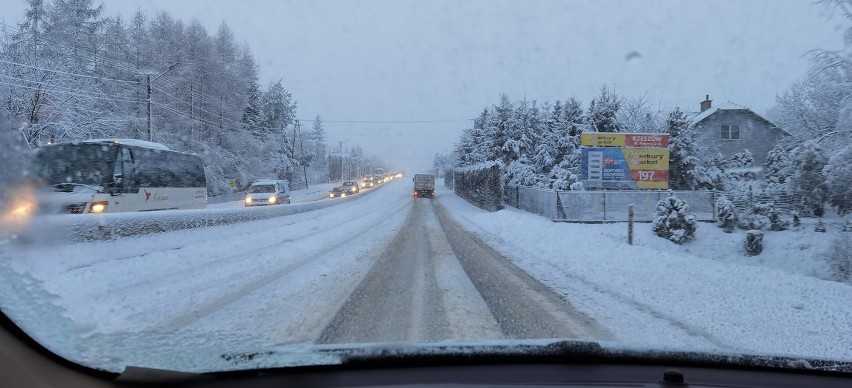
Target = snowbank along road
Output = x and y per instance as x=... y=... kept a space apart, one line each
x=382 y=268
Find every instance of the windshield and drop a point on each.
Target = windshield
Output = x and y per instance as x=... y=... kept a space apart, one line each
x=262 y=189
x=656 y=175
x=86 y=164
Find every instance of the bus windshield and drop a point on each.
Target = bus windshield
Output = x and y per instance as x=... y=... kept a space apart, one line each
x=87 y=164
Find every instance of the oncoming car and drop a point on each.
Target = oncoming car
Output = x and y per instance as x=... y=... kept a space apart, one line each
x=338 y=191
x=351 y=187
x=267 y=192
x=367 y=181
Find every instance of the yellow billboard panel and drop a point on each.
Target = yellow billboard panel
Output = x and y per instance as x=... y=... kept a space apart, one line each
x=646 y=158
x=602 y=139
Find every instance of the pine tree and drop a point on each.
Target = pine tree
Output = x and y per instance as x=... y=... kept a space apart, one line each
x=838 y=174
x=777 y=169
x=806 y=183
x=683 y=162
x=603 y=112
x=673 y=220
x=727 y=214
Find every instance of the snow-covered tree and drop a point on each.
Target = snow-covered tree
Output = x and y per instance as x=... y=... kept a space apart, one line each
x=636 y=115
x=727 y=214
x=777 y=169
x=838 y=181
x=742 y=159
x=673 y=220
x=603 y=112
x=807 y=182
x=683 y=162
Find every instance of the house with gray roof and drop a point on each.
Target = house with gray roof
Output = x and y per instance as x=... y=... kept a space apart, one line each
x=730 y=128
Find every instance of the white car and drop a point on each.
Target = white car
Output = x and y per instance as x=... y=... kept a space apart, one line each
x=351 y=187
x=268 y=192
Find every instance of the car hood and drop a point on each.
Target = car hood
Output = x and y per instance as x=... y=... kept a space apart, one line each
x=454 y=353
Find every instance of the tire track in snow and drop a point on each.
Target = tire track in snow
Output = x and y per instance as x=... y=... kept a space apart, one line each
x=398 y=299
x=177 y=322
x=620 y=297
x=523 y=307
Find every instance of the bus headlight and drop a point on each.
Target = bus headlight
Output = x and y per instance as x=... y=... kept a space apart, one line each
x=273 y=199
x=99 y=207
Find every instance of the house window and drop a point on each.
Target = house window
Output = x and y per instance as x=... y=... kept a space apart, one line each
x=730 y=132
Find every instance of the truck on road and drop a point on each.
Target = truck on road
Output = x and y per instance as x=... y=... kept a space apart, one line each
x=424 y=185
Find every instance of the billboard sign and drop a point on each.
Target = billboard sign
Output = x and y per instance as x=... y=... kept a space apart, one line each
x=625 y=168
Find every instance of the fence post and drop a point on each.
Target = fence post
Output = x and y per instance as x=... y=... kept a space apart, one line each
x=630 y=224
x=604 y=204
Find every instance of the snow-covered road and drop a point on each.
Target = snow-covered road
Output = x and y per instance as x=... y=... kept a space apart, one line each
x=436 y=282
x=386 y=267
x=379 y=268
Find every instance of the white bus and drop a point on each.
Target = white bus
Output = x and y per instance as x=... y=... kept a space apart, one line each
x=107 y=176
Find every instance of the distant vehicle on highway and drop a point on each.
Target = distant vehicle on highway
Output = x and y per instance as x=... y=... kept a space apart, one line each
x=378 y=179
x=268 y=192
x=351 y=187
x=338 y=191
x=424 y=185
x=119 y=175
x=367 y=181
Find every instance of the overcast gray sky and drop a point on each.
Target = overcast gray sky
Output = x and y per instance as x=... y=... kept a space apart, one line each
x=435 y=60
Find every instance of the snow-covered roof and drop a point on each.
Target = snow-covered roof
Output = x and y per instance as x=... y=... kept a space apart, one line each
x=703 y=115
x=131 y=142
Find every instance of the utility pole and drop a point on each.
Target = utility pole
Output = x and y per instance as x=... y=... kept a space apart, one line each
x=293 y=154
x=303 y=159
x=150 y=134
x=148 y=79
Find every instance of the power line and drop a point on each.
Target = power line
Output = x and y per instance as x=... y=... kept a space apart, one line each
x=392 y=121
x=407 y=158
x=90 y=92
x=116 y=99
x=240 y=123
x=68 y=73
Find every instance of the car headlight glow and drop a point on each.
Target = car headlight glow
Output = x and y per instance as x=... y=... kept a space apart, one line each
x=331 y=195
x=273 y=199
x=99 y=207
x=342 y=195
x=248 y=199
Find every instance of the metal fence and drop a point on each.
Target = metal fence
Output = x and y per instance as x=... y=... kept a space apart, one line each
x=605 y=206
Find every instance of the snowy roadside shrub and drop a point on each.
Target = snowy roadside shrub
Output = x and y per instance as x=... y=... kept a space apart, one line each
x=673 y=221
x=757 y=218
x=840 y=258
x=776 y=223
x=797 y=222
x=819 y=227
x=727 y=214
x=742 y=159
x=764 y=216
x=754 y=242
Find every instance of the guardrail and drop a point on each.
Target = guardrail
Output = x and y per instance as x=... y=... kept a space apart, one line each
x=91 y=227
